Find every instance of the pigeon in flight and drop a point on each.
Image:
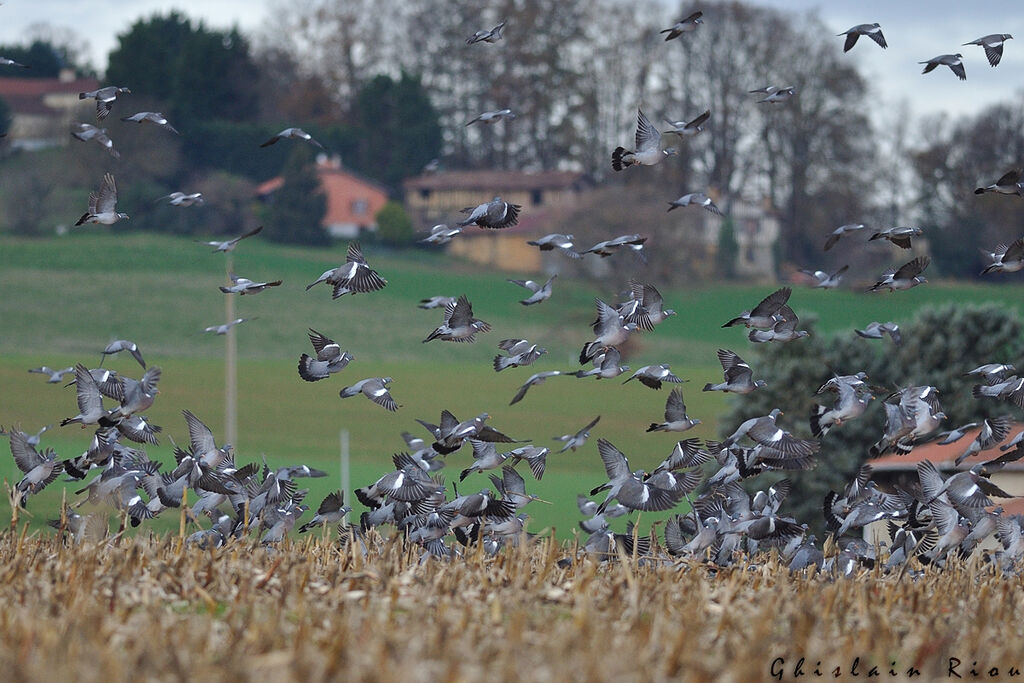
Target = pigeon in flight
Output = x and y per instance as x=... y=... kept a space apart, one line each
x=682 y=26
x=688 y=128
x=230 y=244
x=819 y=279
x=331 y=511
x=1009 y=183
x=648 y=150
x=87 y=131
x=441 y=234
x=40 y=469
x=329 y=358
x=556 y=241
x=459 y=325
x=293 y=133
x=243 y=286
x=900 y=236
x=906 y=276
x=493 y=116
x=610 y=328
x=954 y=62
x=838 y=233
x=877 y=330
x=56 y=376
x=520 y=352
x=763 y=315
x=373 y=388
x=183 y=199
x=153 y=117
x=606 y=365
x=783 y=330
x=764 y=431
x=676 y=419
x=495 y=214
x=645 y=307
x=993 y=45
x=609 y=247
x=4 y=61
x=577 y=440
x=105 y=98
x=738 y=375
x=226 y=327
x=537 y=378
x=540 y=292
x=653 y=375
x=993 y=432
x=773 y=94
x=872 y=31
x=123 y=345
x=103 y=204
x=435 y=302
x=492 y=36
x=355 y=277
x=1006 y=259
x=696 y=199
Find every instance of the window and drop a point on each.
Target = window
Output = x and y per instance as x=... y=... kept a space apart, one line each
x=537 y=197
x=425 y=193
x=360 y=206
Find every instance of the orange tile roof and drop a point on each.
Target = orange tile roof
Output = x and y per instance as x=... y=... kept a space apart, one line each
x=943 y=456
x=350 y=199
x=37 y=87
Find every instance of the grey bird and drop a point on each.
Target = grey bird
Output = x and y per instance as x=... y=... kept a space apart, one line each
x=452 y=434
x=520 y=352
x=900 y=422
x=971 y=488
x=738 y=375
x=784 y=330
x=653 y=375
x=540 y=292
x=1011 y=390
x=764 y=431
x=1008 y=183
x=354 y=277
x=90 y=401
x=137 y=396
x=954 y=62
x=872 y=31
x=610 y=328
x=230 y=244
x=441 y=234
x=226 y=327
x=646 y=307
x=608 y=247
x=485 y=36
x=294 y=134
x=992 y=373
x=993 y=44
x=676 y=419
x=773 y=94
x=153 y=117
x=494 y=215
x=55 y=376
x=243 y=286
x=648 y=150
x=4 y=61
x=535 y=457
x=682 y=26
x=563 y=243
x=838 y=233
x=538 y=378
x=577 y=439
x=40 y=469
x=458 y=325
x=373 y=388
x=485 y=457
x=762 y=316
x=493 y=116
x=696 y=199
x=820 y=279
x=658 y=492
x=598 y=520
x=105 y=98
x=331 y=511
x=688 y=128
x=183 y=198
x=852 y=399
x=436 y=302
x=1006 y=258
x=906 y=276
x=606 y=365
x=993 y=432
x=103 y=204
x=120 y=345
x=900 y=236
x=954 y=435
x=877 y=330
x=87 y=131
x=329 y=358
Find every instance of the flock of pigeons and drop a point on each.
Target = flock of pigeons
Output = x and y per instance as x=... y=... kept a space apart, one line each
x=933 y=520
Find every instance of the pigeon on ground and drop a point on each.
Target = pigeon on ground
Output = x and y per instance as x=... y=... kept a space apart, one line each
x=120 y=345
x=653 y=375
x=355 y=277
x=993 y=45
x=872 y=31
x=906 y=276
x=899 y=236
x=954 y=62
x=738 y=375
x=105 y=98
x=682 y=26
x=564 y=243
x=676 y=419
x=293 y=133
x=838 y=233
x=762 y=317
x=648 y=150
x=373 y=388
x=243 y=286
x=611 y=329
x=154 y=117
x=688 y=128
x=609 y=247
x=1009 y=183
x=520 y=352
x=537 y=378
x=540 y=292
x=103 y=204
x=493 y=116
x=495 y=214
x=696 y=199
x=436 y=302
x=87 y=131
x=441 y=234
x=577 y=440
x=55 y=375
x=329 y=358
x=993 y=432
x=877 y=330
x=230 y=244
x=784 y=330
x=458 y=325
x=1006 y=259
x=226 y=327
x=183 y=199
x=773 y=94
x=491 y=36
x=822 y=280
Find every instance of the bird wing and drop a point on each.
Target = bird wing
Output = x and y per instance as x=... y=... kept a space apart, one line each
x=199 y=435
x=912 y=269
x=877 y=36
x=379 y=394
x=107 y=198
x=1015 y=251
x=851 y=40
x=615 y=463
x=25 y=456
x=993 y=52
x=647 y=136
x=772 y=303
x=461 y=313
x=675 y=408
x=88 y=393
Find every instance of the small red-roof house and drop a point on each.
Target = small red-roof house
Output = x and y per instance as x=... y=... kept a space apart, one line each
x=43 y=109
x=352 y=201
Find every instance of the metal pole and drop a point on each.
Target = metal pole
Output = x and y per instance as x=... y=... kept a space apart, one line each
x=230 y=366
x=343 y=461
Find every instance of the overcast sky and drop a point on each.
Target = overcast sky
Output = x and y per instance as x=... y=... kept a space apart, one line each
x=915 y=30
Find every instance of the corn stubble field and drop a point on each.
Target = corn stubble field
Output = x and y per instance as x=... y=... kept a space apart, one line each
x=151 y=608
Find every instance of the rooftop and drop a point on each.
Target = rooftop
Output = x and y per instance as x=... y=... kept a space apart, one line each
x=943 y=456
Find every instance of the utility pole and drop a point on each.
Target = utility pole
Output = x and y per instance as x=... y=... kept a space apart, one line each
x=230 y=364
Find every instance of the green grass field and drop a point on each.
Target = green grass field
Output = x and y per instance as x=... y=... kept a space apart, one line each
x=63 y=299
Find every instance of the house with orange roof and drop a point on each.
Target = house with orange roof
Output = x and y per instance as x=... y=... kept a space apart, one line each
x=43 y=109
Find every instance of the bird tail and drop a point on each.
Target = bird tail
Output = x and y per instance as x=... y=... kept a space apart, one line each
x=734 y=321
x=708 y=387
x=980 y=190
x=655 y=427
x=305 y=363
x=975 y=391
x=816 y=427
x=617 y=161
x=501 y=363
x=589 y=351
